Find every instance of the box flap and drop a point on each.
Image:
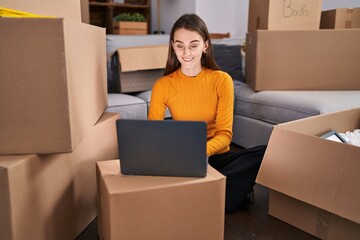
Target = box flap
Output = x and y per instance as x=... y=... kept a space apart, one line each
x=340 y=121
x=142 y=58
x=319 y=172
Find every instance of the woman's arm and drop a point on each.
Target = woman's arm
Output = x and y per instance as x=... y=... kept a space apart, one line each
x=224 y=118
x=157 y=102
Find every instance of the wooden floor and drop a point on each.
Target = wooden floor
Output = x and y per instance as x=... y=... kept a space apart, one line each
x=249 y=222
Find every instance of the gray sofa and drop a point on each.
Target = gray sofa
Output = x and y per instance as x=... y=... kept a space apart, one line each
x=255 y=113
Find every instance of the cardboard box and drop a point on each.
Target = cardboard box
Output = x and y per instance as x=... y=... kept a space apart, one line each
x=340 y=18
x=69 y=9
x=53 y=84
x=314 y=181
x=303 y=60
x=316 y=221
x=54 y=196
x=137 y=68
x=130 y=28
x=150 y=207
x=284 y=14
x=85 y=11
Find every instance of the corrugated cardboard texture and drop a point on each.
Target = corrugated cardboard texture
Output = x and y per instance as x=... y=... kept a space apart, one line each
x=340 y=18
x=54 y=196
x=69 y=9
x=145 y=207
x=53 y=84
x=284 y=14
x=313 y=170
x=315 y=221
x=303 y=60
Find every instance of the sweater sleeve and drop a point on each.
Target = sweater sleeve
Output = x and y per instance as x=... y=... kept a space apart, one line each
x=157 y=102
x=224 y=118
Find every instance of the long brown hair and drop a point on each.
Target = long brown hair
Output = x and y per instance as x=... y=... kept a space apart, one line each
x=191 y=22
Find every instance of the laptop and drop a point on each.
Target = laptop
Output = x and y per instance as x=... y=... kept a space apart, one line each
x=162 y=148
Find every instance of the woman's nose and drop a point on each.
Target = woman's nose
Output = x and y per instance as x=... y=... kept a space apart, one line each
x=187 y=51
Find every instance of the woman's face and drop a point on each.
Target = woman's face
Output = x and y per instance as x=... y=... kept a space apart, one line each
x=189 y=47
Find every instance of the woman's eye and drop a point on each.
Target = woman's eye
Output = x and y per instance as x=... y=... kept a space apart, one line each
x=193 y=46
x=180 y=46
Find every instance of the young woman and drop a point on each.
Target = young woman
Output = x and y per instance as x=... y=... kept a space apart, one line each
x=194 y=88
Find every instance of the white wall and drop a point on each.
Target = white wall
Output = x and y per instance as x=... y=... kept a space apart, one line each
x=331 y=4
x=220 y=15
x=170 y=11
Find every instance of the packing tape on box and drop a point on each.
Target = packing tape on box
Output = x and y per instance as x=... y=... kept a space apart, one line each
x=12 y=13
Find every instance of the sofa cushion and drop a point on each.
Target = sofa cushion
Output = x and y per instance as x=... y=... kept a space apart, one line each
x=229 y=59
x=129 y=107
x=282 y=106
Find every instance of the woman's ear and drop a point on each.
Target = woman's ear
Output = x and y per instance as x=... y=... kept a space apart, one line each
x=206 y=45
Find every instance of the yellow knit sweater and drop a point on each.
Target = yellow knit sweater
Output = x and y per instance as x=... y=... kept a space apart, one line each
x=207 y=97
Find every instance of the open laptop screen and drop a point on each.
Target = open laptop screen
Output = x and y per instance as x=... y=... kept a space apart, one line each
x=162 y=148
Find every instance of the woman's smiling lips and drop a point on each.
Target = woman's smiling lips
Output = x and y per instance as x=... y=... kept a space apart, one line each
x=187 y=59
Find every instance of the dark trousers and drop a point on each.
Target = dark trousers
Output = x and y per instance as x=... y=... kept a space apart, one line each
x=240 y=168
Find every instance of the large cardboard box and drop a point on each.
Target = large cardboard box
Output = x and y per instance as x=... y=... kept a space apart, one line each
x=284 y=14
x=69 y=9
x=315 y=182
x=53 y=84
x=137 y=68
x=303 y=60
x=150 y=207
x=340 y=18
x=54 y=196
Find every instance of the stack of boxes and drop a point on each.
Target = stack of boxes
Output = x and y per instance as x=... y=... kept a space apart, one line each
x=159 y=207
x=286 y=50
x=314 y=182
x=53 y=128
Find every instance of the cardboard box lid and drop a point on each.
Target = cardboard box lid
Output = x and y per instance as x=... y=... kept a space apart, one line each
x=70 y=9
x=119 y=183
x=142 y=58
x=319 y=172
